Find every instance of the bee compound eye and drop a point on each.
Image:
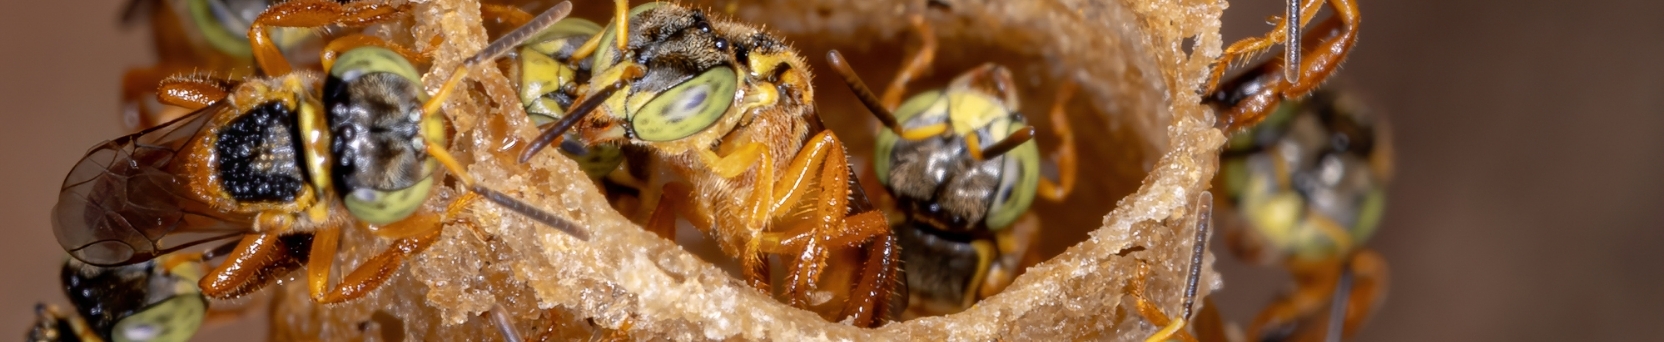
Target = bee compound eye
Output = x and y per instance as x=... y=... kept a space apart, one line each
x=687 y=108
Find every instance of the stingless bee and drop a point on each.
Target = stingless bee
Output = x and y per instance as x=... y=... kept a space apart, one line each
x=1309 y=185
x=193 y=36
x=729 y=109
x=549 y=79
x=285 y=161
x=963 y=169
x=156 y=300
x=1309 y=59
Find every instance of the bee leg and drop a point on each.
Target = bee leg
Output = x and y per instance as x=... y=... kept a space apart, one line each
x=1317 y=290
x=1171 y=328
x=346 y=43
x=1332 y=41
x=621 y=17
x=373 y=273
x=1013 y=247
x=676 y=199
x=832 y=227
x=1065 y=154
x=192 y=92
x=257 y=260
x=1248 y=47
x=1369 y=288
x=309 y=13
x=1249 y=98
x=916 y=64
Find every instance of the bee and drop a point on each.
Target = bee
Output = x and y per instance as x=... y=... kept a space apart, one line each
x=193 y=36
x=297 y=155
x=1309 y=185
x=156 y=300
x=1247 y=99
x=729 y=109
x=963 y=168
x=549 y=79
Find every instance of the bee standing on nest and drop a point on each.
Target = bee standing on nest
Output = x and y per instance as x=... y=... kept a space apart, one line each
x=156 y=300
x=962 y=166
x=963 y=169
x=729 y=109
x=549 y=79
x=193 y=36
x=1309 y=185
x=286 y=162
x=1248 y=98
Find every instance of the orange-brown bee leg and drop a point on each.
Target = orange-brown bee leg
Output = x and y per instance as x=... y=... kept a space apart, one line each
x=1013 y=246
x=1369 y=288
x=676 y=199
x=1250 y=97
x=916 y=64
x=257 y=260
x=309 y=13
x=190 y=92
x=1065 y=153
x=1329 y=43
x=809 y=243
x=341 y=45
x=1314 y=294
x=1248 y=47
x=373 y=273
x=1171 y=328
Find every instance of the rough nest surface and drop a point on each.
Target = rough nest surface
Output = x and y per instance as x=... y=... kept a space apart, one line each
x=1141 y=59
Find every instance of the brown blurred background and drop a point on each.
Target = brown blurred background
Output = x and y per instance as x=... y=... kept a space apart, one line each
x=1527 y=206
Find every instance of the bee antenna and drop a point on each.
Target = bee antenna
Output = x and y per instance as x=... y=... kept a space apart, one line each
x=578 y=111
x=520 y=34
x=1204 y=221
x=1004 y=145
x=861 y=91
x=497 y=48
x=532 y=212
x=1338 y=304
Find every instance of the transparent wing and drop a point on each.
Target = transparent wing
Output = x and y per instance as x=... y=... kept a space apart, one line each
x=126 y=202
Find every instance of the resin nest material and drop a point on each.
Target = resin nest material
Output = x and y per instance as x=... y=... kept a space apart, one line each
x=1140 y=64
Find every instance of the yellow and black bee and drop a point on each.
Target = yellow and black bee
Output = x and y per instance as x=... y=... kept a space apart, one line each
x=963 y=170
x=1309 y=186
x=728 y=108
x=207 y=37
x=157 y=300
x=286 y=162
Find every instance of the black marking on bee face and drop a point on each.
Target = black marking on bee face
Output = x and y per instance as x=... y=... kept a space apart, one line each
x=258 y=155
x=375 y=123
x=940 y=265
x=104 y=296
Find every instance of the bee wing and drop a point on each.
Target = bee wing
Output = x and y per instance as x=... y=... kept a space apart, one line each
x=125 y=202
